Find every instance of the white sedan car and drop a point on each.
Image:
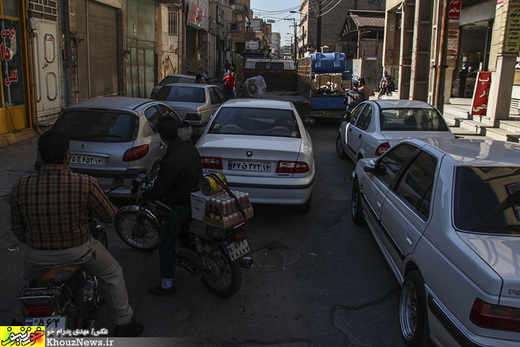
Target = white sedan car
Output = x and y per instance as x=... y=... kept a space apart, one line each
x=263 y=148
x=446 y=216
x=376 y=125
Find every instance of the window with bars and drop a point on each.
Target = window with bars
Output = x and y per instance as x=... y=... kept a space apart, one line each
x=173 y=22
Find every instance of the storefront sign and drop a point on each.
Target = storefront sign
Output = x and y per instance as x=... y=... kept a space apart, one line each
x=453 y=42
x=512 y=38
x=195 y=16
x=455 y=10
x=481 y=94
x=252 y=45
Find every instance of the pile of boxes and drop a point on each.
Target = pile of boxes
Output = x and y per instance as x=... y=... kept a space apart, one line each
x=221 y=209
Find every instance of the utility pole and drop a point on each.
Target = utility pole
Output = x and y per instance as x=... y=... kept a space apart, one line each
x=318 y=33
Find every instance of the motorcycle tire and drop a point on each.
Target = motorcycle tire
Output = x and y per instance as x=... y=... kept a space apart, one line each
x=224 y=277
x=139 y=232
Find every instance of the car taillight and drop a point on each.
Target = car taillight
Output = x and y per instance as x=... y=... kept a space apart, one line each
x=136 y=153
x=495 y=317
x=192 y=116
x=39 y=308
x=292 y=167
x=382 y=148
x=212 y=163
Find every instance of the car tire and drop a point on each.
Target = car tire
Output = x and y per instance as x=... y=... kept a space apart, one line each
x=413 y=313
x=306 y=207
x=339 y=148
x=356 y=209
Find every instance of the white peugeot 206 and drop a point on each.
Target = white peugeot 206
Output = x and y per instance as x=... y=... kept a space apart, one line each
x=446 y=215
x=263 y=148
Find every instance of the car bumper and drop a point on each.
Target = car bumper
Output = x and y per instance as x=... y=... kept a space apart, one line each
x=106 y=177
x=287 y=191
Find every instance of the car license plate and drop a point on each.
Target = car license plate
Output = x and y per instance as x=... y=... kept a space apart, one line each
x=86 y=159
x=249 y=166
x=55 y=322
x=238 y=249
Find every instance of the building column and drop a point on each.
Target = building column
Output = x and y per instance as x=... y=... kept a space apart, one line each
x=505 y=45
x=405 y=56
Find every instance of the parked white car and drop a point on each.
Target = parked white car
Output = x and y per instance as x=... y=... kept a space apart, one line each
x=376 y=125
x=446 y=216
x=263 y=148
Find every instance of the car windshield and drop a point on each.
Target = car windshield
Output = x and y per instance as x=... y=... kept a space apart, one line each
x=412 y=119
x=98 y=126
x=255 y=121
x=178 y=93
x=487 y=199
x=176 y=79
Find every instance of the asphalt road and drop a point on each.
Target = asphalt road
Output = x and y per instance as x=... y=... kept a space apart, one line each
x=319 y=280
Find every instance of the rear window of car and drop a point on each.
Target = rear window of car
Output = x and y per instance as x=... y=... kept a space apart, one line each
x=184 y=94
x=98 y=126
x=176 y=79
x=487 y=199
x=412 y=119
x=255 y=121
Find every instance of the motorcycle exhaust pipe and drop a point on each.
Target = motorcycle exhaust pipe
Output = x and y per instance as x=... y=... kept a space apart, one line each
x=246 y=262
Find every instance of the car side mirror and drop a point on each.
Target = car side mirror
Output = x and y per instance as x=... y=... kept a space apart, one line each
x=370 y=167
x=185 y=123
x=347 y=117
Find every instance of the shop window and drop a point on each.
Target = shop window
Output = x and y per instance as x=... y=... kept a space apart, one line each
x=11 y=60
x=10 y=8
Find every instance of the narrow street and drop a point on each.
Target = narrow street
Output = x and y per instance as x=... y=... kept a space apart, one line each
x=319 y=279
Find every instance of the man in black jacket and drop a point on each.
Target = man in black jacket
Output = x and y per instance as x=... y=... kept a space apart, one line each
x=178 y=176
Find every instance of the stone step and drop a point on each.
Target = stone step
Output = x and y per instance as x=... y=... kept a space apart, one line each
x=456 y=112
x=474 y=126
x=453 y=120
x=510 y=125
x=497 y=134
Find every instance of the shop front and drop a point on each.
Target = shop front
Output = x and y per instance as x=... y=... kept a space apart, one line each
x=16 y=120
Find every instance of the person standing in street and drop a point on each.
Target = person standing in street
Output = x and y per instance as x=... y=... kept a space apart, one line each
x=50 y=212
x=364 y=88
x=229 y=84
x=179 y=173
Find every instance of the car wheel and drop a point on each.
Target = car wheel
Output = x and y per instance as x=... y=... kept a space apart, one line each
x=304 y=208
x=413 y=315
x=339 y=148
x=356 y=209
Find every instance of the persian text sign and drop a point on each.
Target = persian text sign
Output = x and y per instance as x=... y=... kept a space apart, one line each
x=22 y=336
x=481 y=94
x=455 y=10
x=512 y=38
x=195 y=16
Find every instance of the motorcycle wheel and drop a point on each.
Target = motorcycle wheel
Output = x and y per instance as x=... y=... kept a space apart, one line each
x=223 y=277
x=139 y=232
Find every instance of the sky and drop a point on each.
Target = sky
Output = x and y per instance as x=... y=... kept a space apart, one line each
x=277 y=10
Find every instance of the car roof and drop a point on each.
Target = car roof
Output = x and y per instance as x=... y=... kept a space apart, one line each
x=468 y=152
x=180 y=75
x=260 y=103
x=112 y=102
x=401 y=104
x=189 y=85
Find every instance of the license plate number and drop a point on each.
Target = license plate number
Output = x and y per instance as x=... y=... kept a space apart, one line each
x=86 y=159
x=56 y=322
x=249 y=166
x=238 y=249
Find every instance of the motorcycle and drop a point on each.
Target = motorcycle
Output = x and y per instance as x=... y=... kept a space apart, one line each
x=65 y=297
x=214 y=254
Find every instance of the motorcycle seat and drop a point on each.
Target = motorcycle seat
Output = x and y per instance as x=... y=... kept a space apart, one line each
x=57 y=275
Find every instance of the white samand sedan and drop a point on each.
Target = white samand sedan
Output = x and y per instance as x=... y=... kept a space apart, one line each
x=263 y=148
x=376 y=125
x=446 y=217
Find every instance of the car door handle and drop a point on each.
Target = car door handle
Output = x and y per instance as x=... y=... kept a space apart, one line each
x=409 y=238
x=161 y=145
x=350 y=130
x=359 y=136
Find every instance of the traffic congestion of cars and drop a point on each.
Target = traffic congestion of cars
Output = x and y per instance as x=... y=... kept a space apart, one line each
x=445 y=212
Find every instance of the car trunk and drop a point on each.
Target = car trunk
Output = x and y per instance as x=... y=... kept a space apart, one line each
x=248 y=156
x=98 y=155
x=501 y=253
x=394 y=137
